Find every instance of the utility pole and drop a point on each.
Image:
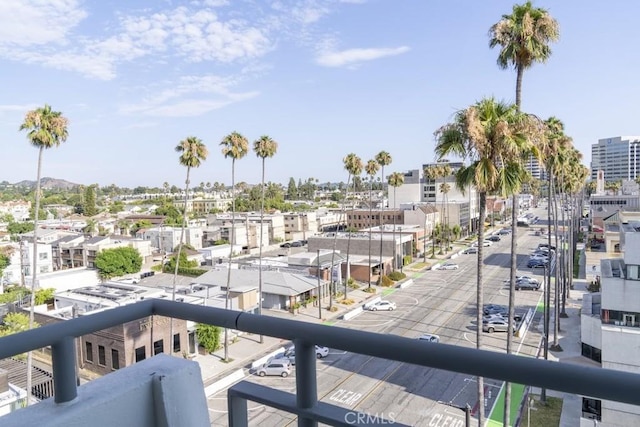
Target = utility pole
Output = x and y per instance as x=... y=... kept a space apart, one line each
x=319 y=298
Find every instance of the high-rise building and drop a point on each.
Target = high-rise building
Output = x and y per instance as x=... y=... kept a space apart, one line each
x=618 y=157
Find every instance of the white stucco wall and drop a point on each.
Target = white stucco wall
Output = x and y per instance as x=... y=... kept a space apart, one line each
x=590 y=331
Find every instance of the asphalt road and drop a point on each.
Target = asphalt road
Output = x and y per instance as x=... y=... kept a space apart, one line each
x=439 y=302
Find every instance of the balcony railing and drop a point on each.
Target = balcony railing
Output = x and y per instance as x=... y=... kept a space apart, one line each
x=594 y=382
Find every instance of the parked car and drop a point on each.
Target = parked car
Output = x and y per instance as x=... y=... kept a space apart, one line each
x=527 y=279
x=429 y=338
x=499 y=325
x=448 y=266
x=296 y=244
x=471 y=250
x=485 y=243
x=382 y=305
x=504 y=231
x=285 y=245
x=494 y=238
x=537 y=263
x=526 y=284
x=290 y=354
x=277 y=367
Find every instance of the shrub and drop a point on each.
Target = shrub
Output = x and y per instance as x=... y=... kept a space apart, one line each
x=407 y=259
x=396 y=275
x=333 y=309
x=347 y=301
x=370 y=290
x=385 y=281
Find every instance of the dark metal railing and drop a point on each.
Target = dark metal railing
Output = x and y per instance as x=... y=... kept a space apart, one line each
x=588 y=381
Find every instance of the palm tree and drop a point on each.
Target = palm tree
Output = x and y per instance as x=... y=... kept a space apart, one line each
x=353 y=165
x=235 y=146
x=384 y=159
x=45 y=129
x=487 y=134
x=193 y=153
x=524 y=37
x=264 y=147
x=371 y=169
x=396 y=179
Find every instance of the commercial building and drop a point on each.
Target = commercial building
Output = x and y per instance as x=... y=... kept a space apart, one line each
x=618 y=157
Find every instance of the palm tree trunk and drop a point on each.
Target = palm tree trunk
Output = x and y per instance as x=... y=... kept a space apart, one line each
x=382 y=267
x=519 y=74
x=480 y=300
x=175 y=273
x=394 y=231
x=512 y=290
x=260 y=251
x=348 y=271
x=565 y=258
x=34 y=273
x=370 y=225
x=231 y=242
x=547 y=290
x=556 y=289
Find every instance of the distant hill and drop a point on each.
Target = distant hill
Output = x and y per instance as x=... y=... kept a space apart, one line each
x=48 y=183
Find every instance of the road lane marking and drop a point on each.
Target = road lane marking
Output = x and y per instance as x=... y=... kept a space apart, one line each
x=345 y=396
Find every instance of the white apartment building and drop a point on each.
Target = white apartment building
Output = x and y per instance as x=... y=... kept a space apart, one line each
x=299 y=225
x=22 y=260
x=610 y=327
x=618 y=157
x=166 y=239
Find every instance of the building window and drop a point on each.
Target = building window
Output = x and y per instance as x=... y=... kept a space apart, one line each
x=43 y=256
x=158 y=347
x=88 y=349
x=633 y=272
x=176 y=343
x=591 y=409
x=102 y=357
x=115 y=359
x=141 y=354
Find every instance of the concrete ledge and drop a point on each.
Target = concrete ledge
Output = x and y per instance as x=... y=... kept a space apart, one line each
x=353 y=313
x=525 y=322
x=370 y=303
x=264 y=359
x=224 y=383
x=406 y=283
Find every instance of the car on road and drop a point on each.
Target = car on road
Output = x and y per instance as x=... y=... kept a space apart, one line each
x=496 y=325
x=494 y=238
x=537 y=263
x=290 y=354
x=485 y=243
x=526 y=284
x=504 y=232
x=296 y=244
x=448 y=266
x=526 y=278
x=471 y=250
x=502 y=316
x=429 y=338
x=382 y=306
x=285 y=245
x=276 y=367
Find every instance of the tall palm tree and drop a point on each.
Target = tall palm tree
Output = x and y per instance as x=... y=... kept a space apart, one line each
x=524 y=37
x=353 y=165
x=264 y=147
x=489 y=135
x=396 y=179
x=384 y=159
x=371 y=168
x=192 y=153
x=236 y=147
x=46 y=129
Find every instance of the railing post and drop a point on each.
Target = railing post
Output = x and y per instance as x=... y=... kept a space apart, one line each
x=306 y=381
x=63 y=353
x=238 y=413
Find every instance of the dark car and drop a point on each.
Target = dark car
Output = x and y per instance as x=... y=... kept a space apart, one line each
x=494 y=238
x=504 y=231
x=285 y=245
x=296 y=245
x=527 y=284
x=470 y=251
x=537 y=263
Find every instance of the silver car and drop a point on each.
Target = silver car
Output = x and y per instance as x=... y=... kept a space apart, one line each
x=496 y=325
x=277 y=367
x=383 y=305
x=290 y=354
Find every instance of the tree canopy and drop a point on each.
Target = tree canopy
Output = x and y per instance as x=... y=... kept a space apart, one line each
x=118 y=262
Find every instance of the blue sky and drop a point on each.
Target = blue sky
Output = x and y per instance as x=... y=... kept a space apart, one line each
x=323 y=78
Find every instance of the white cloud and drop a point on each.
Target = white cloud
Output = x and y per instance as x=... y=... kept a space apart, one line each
x=190 y=96
x=10 y=108
x=34 y=22
x=352 y=57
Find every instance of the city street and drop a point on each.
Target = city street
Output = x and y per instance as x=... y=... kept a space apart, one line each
x=439 y=302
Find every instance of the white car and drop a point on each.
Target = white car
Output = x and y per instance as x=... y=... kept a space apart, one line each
x=429 y=338
x=485 y=243
x=448 y=266
x=382 y=306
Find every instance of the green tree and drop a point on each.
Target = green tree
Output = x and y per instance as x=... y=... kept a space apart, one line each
x=488 y=135
x=116 y=207
x=524 y=38
x=395 y=180
x=139 y=225
x=118 y=262
x=384 y=159
x=90 y=201
x=45 y=296
x=292 y=190
x=264 y=147
x=14 y=323
x=371 y=168
x=46 y=129
x=184 y=262
x=234 y=146
x=5 y=259
x=208 y=336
